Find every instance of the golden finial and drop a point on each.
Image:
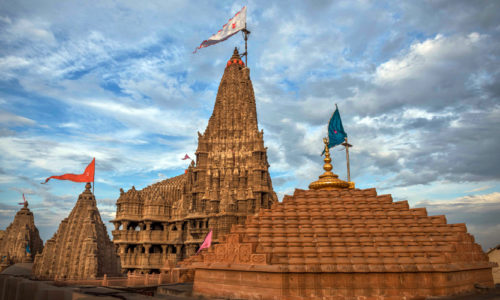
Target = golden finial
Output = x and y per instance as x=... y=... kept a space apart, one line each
x=328 y=180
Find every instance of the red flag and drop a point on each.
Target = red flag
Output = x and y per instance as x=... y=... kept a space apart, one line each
x=87 y=176
x=186 y=157
x=22 y=203
x=207 y=242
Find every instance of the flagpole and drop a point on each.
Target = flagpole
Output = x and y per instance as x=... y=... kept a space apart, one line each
x=347 y=146
x=246 y=33
x=93 y=183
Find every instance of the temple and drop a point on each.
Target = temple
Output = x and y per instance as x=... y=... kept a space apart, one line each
x=81 y=248
x=167 y=221
x=337 y=242
x=20 y=241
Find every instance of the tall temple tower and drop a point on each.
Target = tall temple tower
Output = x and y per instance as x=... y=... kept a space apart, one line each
x=20 y=242
x=81 y=248
x=167 y=221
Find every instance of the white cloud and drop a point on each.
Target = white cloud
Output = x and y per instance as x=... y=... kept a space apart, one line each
x=8 y=119
x=465 y=201
x=426 y=57
x=36 y=31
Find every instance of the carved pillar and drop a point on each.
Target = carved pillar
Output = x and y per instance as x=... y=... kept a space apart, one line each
x=148 y=225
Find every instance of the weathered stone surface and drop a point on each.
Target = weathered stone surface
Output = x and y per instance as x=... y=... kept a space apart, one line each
x=81 y=248
x=342 y=243
x=21 y=233
x=167 y=221
x=494 y=256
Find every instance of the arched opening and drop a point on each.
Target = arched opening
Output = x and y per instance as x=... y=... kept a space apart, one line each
x=130 y=249
x=132 y=226
x=156 y=226
x=155 y=249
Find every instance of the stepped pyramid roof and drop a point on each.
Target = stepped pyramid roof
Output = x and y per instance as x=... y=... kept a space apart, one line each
x=21 y=233
x=81 y=248
x=336 y=241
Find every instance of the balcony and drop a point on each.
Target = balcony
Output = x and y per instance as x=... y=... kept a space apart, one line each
x=144 y=261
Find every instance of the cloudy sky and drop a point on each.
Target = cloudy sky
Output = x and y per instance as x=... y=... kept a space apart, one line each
x=417 y=84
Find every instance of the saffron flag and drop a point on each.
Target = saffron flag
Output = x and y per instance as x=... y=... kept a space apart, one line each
x=207 y=242
x=336 y=133
x=186 y=157
x=87 y=176
x=235 y=24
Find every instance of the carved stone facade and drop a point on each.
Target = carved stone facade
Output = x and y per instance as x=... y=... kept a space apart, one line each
x=342 y=243
x=167 y=221
x=81 y=248
x=20 y=241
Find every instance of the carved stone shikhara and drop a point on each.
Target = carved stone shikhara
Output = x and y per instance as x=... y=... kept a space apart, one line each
x=342 y=243
x=20 y=242
x=167 y=221
x=81 y=248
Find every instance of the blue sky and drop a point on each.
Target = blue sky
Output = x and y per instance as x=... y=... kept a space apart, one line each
x=417 y=85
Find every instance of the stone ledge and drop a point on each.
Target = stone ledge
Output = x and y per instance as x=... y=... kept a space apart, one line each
x=348 y=268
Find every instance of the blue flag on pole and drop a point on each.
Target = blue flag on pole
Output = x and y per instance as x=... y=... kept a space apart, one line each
x=336 y=133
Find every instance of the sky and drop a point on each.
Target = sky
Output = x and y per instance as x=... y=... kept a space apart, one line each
x=417 y=84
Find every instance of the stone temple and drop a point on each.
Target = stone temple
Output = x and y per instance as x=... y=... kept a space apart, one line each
x=167 y=221
x=336 y=242
x=81 y=248
x=20 y=242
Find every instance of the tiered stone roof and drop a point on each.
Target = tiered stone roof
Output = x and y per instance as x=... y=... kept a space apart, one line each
x=337 y=242
x=17 y=236
x=229 y=181
x=81 y=248
x=348 y=230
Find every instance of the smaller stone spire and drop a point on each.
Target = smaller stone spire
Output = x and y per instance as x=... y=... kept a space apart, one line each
x=236 y=54
x=235 y=59
x=328 y=180
x=88 y=186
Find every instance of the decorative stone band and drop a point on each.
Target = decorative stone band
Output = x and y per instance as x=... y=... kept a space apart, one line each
x=340 y=268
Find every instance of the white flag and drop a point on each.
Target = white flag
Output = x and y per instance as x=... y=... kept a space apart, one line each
x=235 y=24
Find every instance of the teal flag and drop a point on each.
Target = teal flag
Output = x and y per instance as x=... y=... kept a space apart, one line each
x=336 y=133
x=28 y=249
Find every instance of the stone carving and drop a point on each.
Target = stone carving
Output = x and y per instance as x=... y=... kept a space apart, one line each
x=167 y=221
x=81 y=248
x=342 y=243
x=232 y=251
x=20 y=241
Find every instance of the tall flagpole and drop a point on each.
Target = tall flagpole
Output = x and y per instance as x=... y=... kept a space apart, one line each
x=246 y=33
x=347 y=146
